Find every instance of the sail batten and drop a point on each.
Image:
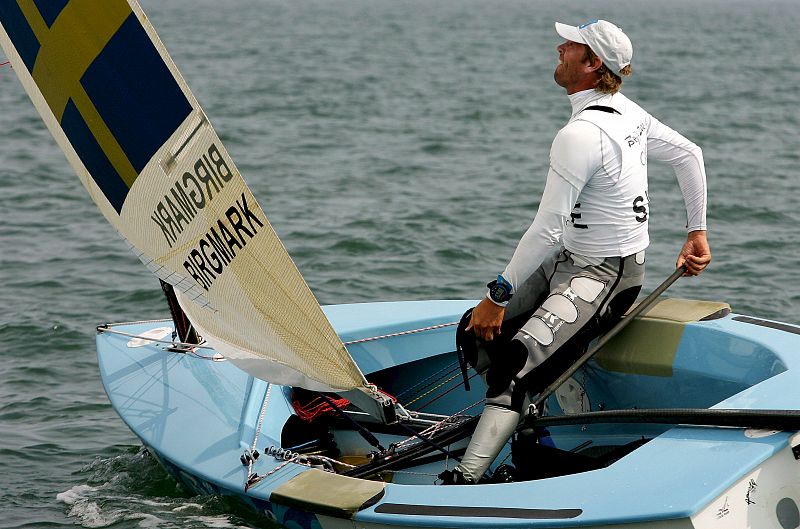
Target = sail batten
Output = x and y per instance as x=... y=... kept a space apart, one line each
x=141 y=144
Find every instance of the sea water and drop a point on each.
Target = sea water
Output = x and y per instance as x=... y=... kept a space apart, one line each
x=399 y=148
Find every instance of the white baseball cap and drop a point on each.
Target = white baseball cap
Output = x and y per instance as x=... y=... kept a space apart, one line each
x=605 y=39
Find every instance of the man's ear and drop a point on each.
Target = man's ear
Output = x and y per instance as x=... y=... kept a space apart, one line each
x=594 y=64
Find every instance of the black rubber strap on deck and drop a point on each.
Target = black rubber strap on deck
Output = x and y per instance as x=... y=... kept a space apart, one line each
x=478 y=512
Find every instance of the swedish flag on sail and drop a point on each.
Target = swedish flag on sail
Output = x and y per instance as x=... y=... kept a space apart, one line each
x=104 y=81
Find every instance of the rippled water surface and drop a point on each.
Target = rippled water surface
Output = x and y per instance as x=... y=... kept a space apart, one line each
x=399 y=148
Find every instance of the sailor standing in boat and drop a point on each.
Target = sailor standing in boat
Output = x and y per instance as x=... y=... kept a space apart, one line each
x=580 y=265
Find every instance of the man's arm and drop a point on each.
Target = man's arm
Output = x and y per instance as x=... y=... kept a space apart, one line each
x=575 y=155
x=535 y=244
x=540 y=238
x=686 y=159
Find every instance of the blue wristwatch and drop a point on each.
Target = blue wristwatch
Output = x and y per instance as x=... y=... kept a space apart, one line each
x=500 y=290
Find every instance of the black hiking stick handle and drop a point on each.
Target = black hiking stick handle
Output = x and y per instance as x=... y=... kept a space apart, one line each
x=788 y=420
x=621 y=324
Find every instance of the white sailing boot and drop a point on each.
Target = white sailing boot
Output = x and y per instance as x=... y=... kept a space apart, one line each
x=493 y=431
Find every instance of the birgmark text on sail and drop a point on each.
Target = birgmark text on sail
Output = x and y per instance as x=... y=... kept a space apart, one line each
x=193 y=191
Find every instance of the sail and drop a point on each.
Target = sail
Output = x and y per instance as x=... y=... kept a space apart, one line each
x=136 y=136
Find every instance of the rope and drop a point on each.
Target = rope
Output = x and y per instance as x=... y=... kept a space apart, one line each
x=317 y=408
x=426 y=474
x=261 y=415
x=457 y=375
x=102 y=329
x=445 y=393
x=296 y=459
x=401 y=333
x=434 y=428
x=253 y=453
x=186 y=348
x=449 y=368
x=107 y=328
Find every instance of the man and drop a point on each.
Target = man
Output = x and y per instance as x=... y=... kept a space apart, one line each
x=580 y=265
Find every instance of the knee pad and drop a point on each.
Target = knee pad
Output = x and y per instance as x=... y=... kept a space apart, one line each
x=618 y=306
x=502 y=375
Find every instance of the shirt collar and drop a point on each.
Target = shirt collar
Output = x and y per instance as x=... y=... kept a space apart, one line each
x=585 y=98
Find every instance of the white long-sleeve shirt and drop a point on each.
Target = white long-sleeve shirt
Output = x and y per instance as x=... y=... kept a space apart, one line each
x=595 y=199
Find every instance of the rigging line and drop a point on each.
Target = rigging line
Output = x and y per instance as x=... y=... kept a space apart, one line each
x=201 y=357
x=301 y=460
x=457 y=375
x=102 y=329
x=445 y=393
x=435 y=428
x=107 y=326
x=431 y=442
x=432 y=379
x=433 y=389
x=455 y=433
x=401 y=333
x=366 y=434
x=177 y=347
x=448 y=368
x=426 y=474
x=261 y=415
x=249 y=481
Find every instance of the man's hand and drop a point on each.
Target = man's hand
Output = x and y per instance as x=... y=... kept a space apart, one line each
x=695 y=254
x=486 y=320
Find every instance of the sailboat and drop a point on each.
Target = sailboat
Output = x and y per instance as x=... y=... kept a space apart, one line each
x=344 y=415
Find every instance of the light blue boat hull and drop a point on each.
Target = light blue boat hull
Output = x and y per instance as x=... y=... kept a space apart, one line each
x=197 y=416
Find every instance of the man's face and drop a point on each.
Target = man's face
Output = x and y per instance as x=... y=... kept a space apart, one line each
x=572 y=70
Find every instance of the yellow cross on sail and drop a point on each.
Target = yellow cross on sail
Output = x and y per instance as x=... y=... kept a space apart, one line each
x=68 y=48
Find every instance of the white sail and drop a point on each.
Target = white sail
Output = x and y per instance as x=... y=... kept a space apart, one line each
x=136 y=136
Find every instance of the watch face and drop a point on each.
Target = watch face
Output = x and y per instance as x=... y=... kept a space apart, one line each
x=499 y=293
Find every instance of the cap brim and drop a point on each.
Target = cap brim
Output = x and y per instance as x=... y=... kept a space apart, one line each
x=569 y=33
